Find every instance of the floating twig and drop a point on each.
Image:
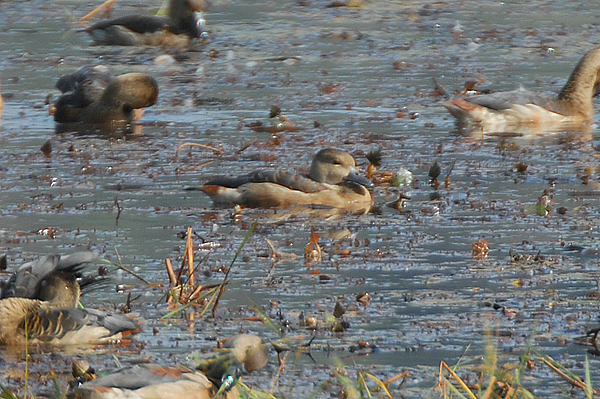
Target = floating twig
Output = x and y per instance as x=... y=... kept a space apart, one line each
x=120 y=266
x=567 y=376
x=217 y=151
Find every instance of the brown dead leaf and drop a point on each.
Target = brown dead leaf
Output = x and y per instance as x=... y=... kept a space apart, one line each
x=312 y=251
x=480 y=250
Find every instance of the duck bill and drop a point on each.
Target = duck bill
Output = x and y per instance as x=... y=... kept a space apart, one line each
x=356 y=178
x=199 y=27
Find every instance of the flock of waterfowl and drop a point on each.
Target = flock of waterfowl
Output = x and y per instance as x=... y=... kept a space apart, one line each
x=92 y=96
x=39 y=304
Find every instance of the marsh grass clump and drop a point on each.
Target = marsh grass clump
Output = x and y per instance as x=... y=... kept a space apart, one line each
x=494 y=381
x=585 y=385
x=366 y=385
x=504 y=381
x=6 y=393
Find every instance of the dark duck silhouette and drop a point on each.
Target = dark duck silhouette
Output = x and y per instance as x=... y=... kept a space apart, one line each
x=182 y=25
x=91 y=95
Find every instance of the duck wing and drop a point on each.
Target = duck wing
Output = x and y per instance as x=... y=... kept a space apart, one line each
x=135 y=23
x=91 y=80
x=80 y=89
x=506 y=99
x=140 y=375
x=25 y=282
x=82 y=325
x=114 y=322
x=293 y=181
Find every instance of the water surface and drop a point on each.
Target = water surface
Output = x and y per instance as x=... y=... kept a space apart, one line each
x=349 y=78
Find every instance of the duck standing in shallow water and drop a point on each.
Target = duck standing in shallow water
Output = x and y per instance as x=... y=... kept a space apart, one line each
x=332 y=182
x=518 y=110
x=92 y=96
x=179 y=28
x=38 y=305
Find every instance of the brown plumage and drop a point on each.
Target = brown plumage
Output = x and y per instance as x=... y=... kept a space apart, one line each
x=246 y=353
x=332 y=182
x=92 y=96
x=39 y=302
x=179 y=28
x=147 y=381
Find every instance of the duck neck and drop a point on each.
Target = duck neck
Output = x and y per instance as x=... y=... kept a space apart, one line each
x=59 y=291
x=580 y=89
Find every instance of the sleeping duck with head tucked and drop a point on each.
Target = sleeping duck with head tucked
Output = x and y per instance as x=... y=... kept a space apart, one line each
x=333 y=182
x=91 y=95
x=38 y=305
x=523 y=110
x=179 y=28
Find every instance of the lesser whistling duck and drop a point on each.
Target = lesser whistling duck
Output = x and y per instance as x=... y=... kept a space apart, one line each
x=153 y=381
x=571 y=110
x=39 y=305
x=332 y=182
x=179 y=28
x=91 y=95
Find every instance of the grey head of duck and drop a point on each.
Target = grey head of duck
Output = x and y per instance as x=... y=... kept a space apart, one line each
x=334 y=166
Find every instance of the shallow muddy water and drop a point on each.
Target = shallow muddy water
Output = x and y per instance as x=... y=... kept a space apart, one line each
x=357 y=79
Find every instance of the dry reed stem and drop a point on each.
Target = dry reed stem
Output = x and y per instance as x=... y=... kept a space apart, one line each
x=215 y=150
x=456 y=378
x=170 y=272
x=571 y=380
x=380 y=384
x=104 y=6
x=394 y=378
x=490 y=388
x=184 y=297
x=189 y=251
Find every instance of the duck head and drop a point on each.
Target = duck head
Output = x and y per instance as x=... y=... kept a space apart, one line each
x=333 y=166
x=186 y=17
